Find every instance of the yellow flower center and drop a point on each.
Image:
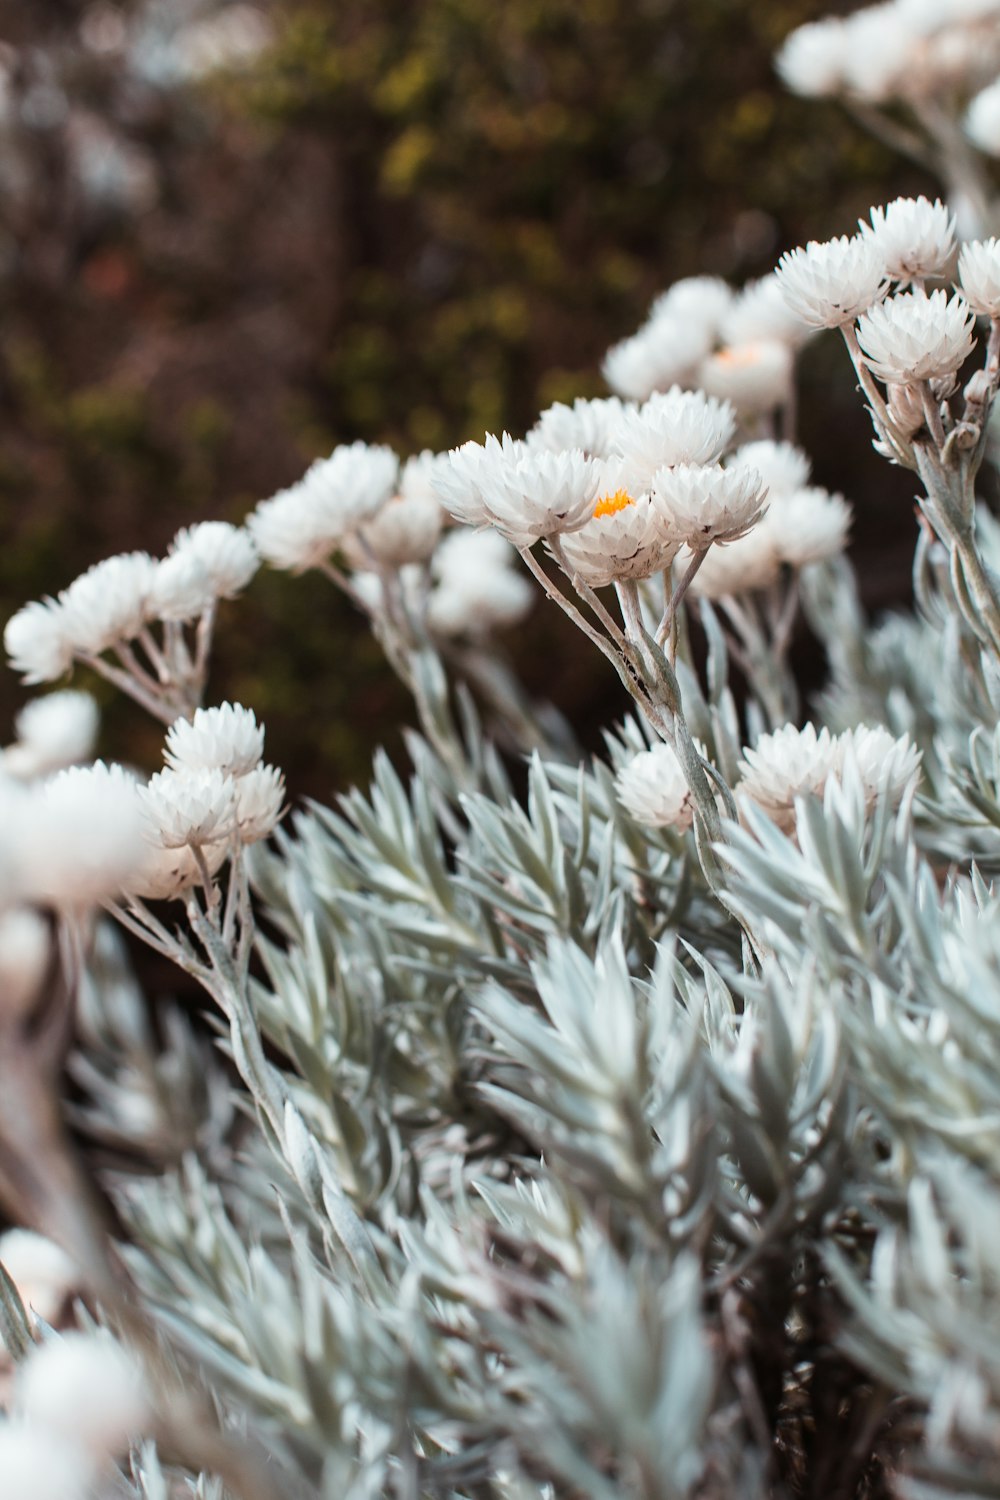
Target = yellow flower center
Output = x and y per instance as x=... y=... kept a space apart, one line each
x=610 y=505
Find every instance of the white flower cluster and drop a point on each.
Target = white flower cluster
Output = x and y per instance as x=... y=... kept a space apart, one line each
x=793 y=763
x=701 y=333
x=214 y=794
x=111 y=604
x=358 y=502
x=647 y=480
x=803 y=524
x=79 y=1400
x=915 y=51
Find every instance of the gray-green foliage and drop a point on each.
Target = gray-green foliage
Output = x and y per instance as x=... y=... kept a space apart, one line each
x=570 y=1201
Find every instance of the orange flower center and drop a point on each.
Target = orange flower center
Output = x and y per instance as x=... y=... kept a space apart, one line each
x=610 y=505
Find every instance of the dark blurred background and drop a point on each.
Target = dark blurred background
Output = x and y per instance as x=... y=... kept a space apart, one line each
x=232 y=236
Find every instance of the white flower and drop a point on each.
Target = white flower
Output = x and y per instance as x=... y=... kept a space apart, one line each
x=914 y=237
x=664 y=352
x=36 y=641
x=755 y=377
x=677 y=427
x=702 y=503
x=878 y=51
x=227 y=739
x=458 y=484
x=761 y=312
x=811 y=59
x=53 y=731
x=109 y=603
x=784 y=765
x=653 y=790
x=41 y=1270
x=81 y=838
x=751 y=562
x=85 y=1387
x=300 y=526
x=405 y=530
x=623 y=538
x=25 y=949
x=493 y=599
x=979 y=273
x=830 y=282
x=38 y=1464
x=226 y=552
x=166 y=874
x=259 y=798
x=887 y=765
x=182 y=588
x=587 y=425
x=912 y=337
x=462 y=555
x=702 y=300
x=809 y=525
x=537 y=493
x=189 y=807
x=782 y=466
x=982 y=120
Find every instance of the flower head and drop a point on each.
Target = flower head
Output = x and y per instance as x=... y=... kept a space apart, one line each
x=53 y=731
x=666 y=350
x=701 y=503
x=109 y=603
x=982 y=120
x=761 y=312
x=810 y=525
x=533 y=493
x=260 y=795
x=300 y=526
x=676 y=427
x=458 y=484
x=587 y=425
x=81 y=838
x=653 y=790
x=227 y=739
x=622 y=539
x=979 y=273
x=830 y=282
x=225 y=552
x=811 y=60
x=37 y=642
x=782 y=466
x=914 y=237
x=784 y=765
x=188 y=807
x=756 y=377
x=912 y=337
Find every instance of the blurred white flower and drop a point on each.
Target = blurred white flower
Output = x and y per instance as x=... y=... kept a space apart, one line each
x=227 y=738
x=80 y=838
x=809 y=525
x=701 y=503
x=756 y=377
x=166 y=874
x=477 y=588
x=749 y=563
x=666 y=351
x=404 y=530
x=25 y=950
x=982 y=120
x=85 y=1387
x=653 y=790
x=702 y=300
x=39 y=1464
x=182 y=588
x=761 y=312
x=226 y=552
x=812 y=58
x=912 y=337
x=886 y=764
x=830 y=282
x=915 y=238
x=782 y=467
x=109 y=603
x=43 y=1273
x=979 y=274
x=36 y=641
x=53 y=731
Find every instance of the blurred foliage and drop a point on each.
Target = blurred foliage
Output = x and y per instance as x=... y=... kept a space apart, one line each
x=406 y=222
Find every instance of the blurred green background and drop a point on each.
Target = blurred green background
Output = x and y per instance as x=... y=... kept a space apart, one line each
x=400 y=220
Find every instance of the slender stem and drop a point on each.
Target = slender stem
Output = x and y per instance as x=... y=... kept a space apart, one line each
x=126 y=683
x=680 y=589
x=587 y=594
